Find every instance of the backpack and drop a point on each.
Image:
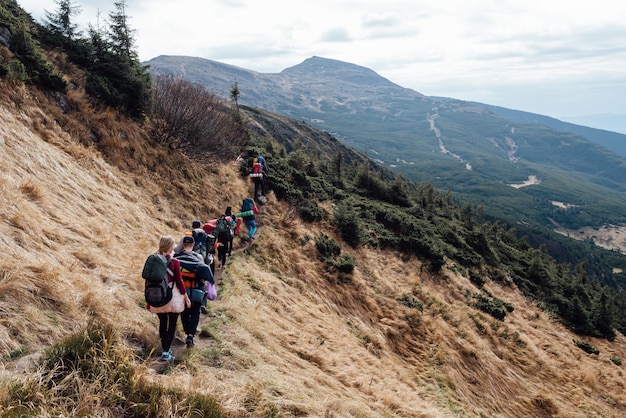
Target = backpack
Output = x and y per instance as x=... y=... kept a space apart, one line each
x=210 y=243
x=222 y=229
x=155 y=271
x=194 y=271
x=231 y=226
x=201 y=239
x=247 y=206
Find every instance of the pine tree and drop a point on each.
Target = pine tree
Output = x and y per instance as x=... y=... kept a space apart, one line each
x=603 y=318
x=60 y=23
x=121 y=35
x=234 y=94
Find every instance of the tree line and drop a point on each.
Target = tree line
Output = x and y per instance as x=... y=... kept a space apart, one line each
x=376 y=208
x=176 y=113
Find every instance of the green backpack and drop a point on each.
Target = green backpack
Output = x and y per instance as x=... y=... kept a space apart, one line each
x=155 y=272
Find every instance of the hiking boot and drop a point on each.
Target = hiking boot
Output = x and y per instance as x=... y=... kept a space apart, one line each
x=189 y=341
x=167 y=356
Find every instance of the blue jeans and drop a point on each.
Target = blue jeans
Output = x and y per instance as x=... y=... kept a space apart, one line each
x=251 y=226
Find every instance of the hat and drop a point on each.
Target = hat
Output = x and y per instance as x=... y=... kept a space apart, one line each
x=196 y=224
x=188 y=240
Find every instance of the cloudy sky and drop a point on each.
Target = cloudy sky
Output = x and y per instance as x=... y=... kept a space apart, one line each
x=560 y=58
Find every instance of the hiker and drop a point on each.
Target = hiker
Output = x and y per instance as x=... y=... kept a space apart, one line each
x=222 y=230
x=259 y=171
x=203 y=243
x=200 y=237
x=194 y=272
x=168 y=314
x=232 y=220
x=248 y=210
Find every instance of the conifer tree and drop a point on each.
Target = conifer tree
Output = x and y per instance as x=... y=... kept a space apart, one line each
x=60 y=23
x=234 y=94
x=603 y=318
x=116 y=75
x=121 y=35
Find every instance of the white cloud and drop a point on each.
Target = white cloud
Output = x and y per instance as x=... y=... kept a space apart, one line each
x=556 y=57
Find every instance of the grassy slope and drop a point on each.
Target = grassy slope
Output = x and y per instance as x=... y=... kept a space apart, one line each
x=284 y=335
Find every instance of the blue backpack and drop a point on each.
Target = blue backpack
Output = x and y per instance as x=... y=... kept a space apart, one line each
x=247 y=206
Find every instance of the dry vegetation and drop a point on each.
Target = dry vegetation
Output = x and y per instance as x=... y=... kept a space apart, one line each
x=285 y=338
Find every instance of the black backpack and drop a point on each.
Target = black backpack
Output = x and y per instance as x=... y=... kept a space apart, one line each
x=155 y=272
x=195 y=273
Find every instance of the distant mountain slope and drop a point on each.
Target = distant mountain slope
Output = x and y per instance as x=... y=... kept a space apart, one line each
x=613 y=141
x=475 y=150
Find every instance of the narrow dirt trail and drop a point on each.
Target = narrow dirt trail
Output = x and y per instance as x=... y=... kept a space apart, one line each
x=179 y=347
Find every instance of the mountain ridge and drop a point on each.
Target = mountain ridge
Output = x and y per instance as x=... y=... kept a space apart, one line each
x=465 y=148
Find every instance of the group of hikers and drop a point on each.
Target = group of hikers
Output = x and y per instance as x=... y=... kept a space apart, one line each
x=191 y=266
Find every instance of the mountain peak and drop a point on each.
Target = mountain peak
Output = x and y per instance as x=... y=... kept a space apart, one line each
x=331 y=69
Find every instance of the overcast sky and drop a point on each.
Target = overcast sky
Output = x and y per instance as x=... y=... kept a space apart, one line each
x=558 y=58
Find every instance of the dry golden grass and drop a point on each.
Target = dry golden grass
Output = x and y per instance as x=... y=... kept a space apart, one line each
x=285 y=338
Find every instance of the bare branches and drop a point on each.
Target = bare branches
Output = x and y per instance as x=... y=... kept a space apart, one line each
x=187 y=116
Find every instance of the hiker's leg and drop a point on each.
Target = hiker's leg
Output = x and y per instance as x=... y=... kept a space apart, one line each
x=249 y=225
x=194 y=318
x=172 y=319
x=185 y=318
x=252 y=229
x=163 y=323
x=221 y=253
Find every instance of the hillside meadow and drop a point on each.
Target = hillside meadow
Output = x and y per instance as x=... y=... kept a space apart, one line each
x=285 y=337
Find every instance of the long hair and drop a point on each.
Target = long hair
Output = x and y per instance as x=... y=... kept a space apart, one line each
x=166 y=244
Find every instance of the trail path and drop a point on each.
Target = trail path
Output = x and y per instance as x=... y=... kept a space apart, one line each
x=154 y=361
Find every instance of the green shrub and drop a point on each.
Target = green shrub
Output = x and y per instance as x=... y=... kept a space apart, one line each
x=411 y=302
x=327 y=248
x=476 y=278
x=345 y=264
x=586 y=347
x=311 y=212
x=347 y=220
x=494 y=306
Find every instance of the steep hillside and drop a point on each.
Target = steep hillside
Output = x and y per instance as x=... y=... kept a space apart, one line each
x=287 y=337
